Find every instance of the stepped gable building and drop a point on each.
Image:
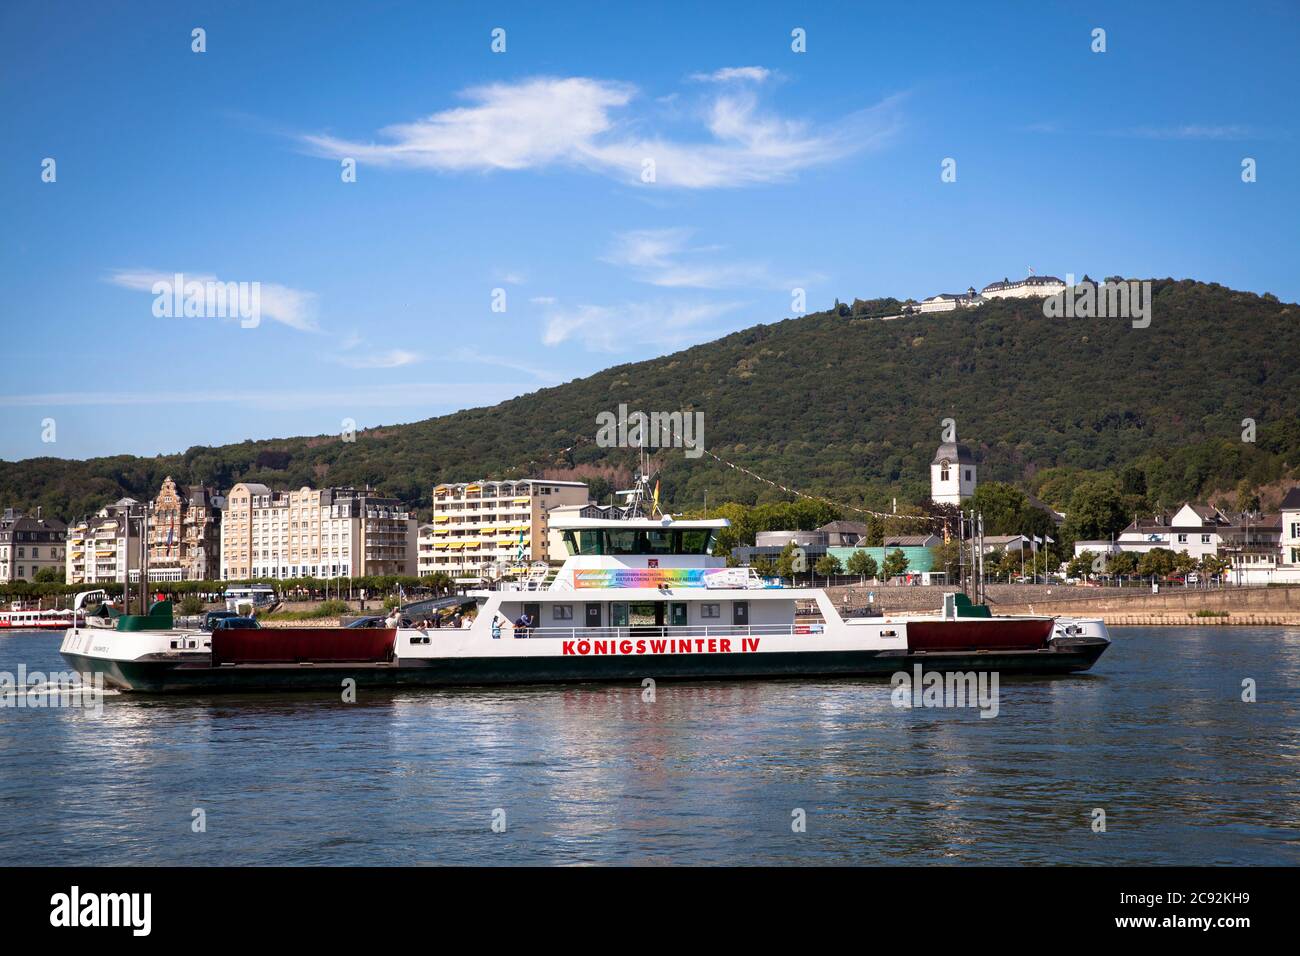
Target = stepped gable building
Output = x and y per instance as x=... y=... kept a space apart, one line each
x=184 y=536
x=28 y=545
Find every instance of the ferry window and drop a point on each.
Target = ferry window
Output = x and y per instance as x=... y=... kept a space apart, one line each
x=658 y=542
x=695 y=541
x=618 y=614
x=585 y=542
x=562 y=612
x=710 y=610
x=621 y=542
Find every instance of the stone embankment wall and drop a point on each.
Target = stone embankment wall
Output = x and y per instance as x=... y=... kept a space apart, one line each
x=1128 y=605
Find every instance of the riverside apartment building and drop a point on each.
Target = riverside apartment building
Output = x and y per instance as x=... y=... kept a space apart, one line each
x=99 y=550
x=318 y=533
x=503 y=524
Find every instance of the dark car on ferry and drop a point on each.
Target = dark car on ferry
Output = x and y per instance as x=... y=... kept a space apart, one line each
x=212 y=617
x=227 y=623
x=378 y=621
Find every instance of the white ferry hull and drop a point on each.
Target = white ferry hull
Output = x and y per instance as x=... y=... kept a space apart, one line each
x=546 y=661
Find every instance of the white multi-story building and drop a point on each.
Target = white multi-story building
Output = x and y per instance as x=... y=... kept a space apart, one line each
x=1259 y=548
x=314 y=533
x=1290 y=536
x=952 y=474
x=98 y=551
x=502 y=524
x=1197 y=529
x=1029 y=287
x=948 y=301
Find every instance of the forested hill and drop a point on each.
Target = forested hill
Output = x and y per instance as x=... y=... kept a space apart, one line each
x=834 y=402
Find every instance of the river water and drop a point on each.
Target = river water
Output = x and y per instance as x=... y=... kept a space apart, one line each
x=1156 y=736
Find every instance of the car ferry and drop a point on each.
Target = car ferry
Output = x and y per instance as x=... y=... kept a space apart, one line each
x=639 y=597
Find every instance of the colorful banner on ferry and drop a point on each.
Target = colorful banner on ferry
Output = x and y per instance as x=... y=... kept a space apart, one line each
x=659 y=578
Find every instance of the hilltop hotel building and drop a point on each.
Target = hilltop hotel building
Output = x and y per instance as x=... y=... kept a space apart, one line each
x=501 y=523
x=1029 y=287
x=327 y=533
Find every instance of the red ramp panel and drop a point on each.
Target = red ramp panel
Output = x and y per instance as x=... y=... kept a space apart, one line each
x=979 y=633
x=292 y=645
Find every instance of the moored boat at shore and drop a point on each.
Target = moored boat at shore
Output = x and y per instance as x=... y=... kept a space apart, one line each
x=18 y=618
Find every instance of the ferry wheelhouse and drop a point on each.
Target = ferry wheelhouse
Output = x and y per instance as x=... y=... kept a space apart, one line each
x=635 y=598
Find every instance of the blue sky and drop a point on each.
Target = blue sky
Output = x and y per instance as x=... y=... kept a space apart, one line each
x=522 y=171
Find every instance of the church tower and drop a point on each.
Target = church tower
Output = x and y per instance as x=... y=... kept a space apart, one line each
x=952 y=474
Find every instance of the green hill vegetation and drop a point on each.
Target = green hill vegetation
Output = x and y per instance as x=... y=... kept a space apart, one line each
x=1091 y=415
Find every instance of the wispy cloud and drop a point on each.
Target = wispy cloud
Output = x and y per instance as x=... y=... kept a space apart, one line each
x=392 y=358
x=614 y=328
x=666 y=257
x=1186 y=131
x=732 y=74
x=1189 y=131
x=295 y=308
x=474 y=356
x=591 y=124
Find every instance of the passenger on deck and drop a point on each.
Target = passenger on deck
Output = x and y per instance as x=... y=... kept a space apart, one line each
x=496 y=627
x=523 y=624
